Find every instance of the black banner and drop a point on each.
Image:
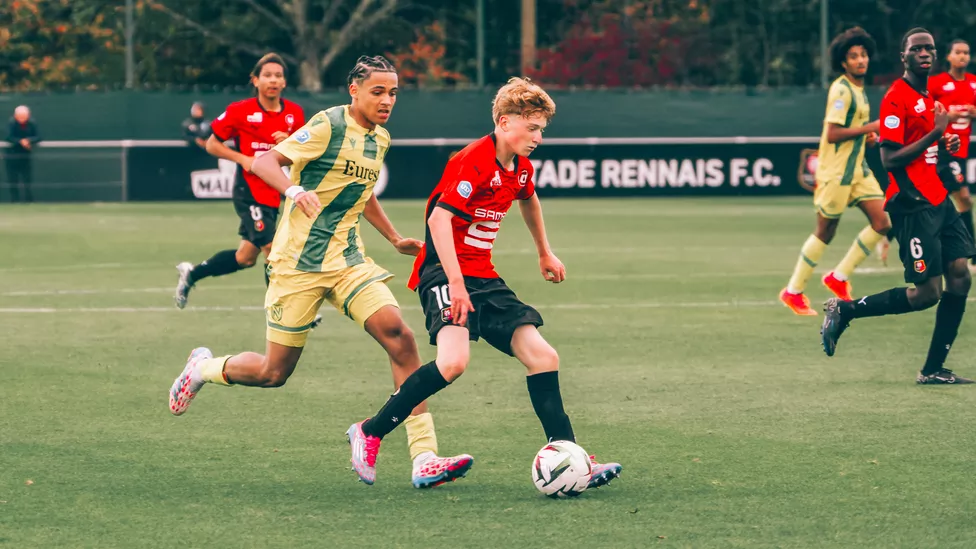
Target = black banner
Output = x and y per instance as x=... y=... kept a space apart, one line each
x=722 y=169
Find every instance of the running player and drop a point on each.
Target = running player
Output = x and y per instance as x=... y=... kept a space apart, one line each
x=318 y=255
x=956 y=90
x=256 y=125
x=843 y=177
x=460 y=292
x=933 y=242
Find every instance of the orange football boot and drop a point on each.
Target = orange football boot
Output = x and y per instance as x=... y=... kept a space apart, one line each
x=798 y=303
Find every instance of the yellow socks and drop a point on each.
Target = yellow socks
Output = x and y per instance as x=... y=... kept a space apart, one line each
x=420 y=434
x=866 y=240
x=810 y=254
x=212 y=370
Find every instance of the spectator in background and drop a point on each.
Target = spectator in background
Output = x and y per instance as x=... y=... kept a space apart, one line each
x=196 y=129
x=22 y=137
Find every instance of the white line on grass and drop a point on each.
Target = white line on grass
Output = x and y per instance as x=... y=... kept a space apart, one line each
x=561 y=306
x=608 y=276
x=731 y=304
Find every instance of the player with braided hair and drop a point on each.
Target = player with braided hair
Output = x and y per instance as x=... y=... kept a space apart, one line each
x=318 y=255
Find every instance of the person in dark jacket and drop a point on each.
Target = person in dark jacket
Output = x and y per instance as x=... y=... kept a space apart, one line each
x=22 y=137
x=196 y=129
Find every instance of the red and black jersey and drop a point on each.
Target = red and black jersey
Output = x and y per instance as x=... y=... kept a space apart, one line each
x=251 y=127
x=479 y=191
x=907 y=116
x=955 y=95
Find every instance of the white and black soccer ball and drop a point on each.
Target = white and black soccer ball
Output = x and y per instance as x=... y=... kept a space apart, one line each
x=561 y=469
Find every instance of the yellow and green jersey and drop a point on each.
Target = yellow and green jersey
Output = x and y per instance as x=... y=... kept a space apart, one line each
x=340 y=161
x=847 y=105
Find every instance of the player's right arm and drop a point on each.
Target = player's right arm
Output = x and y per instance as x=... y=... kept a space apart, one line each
x=453 y=202
x=839 y=103
x=895 y=153
x=307 y=144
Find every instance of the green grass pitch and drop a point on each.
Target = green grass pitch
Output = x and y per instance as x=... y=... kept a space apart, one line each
x=734 y=429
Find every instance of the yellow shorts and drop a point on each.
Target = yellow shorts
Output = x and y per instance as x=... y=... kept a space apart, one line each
x=294 y=297
x=831 y=198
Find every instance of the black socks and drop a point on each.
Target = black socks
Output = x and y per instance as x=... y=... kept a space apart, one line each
x=890 y=302
x=222 y=263
x=548 y=404
x=417 y=388
x=948 y=316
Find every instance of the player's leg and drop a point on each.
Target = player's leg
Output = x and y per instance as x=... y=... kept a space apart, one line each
x=292 y=300
x=964 y=204
x=957 y=249
x=542 y=363
x=257 y=233
x=271 y=369
x=374 y=307
x=830 y=200
x=453 y=351
x=866 y=194
x=920 y=249
x=429 y=470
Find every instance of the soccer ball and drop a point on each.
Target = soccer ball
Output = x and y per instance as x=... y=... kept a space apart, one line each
x=561 y=469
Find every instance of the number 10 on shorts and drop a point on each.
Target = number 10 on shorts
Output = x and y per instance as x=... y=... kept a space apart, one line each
x=442 y=296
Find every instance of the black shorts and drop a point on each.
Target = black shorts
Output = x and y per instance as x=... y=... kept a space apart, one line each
x=257 y=222
x=930 y=239
x=497 y=310
x=950 y=172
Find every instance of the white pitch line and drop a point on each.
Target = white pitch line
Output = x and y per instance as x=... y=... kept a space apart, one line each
x=25 y=293
x=560 y=306
x=610 y=276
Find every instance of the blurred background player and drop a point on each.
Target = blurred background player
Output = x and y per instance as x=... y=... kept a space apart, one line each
x=462 y=296
x=255 y=125
x=196 y=128
x=843 y=177
x=318 y=254
x=933 y=242
x=956 y=90
x=22 y=135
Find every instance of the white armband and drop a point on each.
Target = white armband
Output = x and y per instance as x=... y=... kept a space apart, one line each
x=293 y=191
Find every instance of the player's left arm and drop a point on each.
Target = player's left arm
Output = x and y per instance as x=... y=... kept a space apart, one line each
x=552 y=269
x=377 y=218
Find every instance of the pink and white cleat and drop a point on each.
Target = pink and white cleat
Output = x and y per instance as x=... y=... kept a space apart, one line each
x=439 y=470
x=364 y=451
x=602 y=473
x=188 y=383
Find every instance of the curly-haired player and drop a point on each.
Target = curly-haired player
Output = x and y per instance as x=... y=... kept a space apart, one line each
x=843 y=177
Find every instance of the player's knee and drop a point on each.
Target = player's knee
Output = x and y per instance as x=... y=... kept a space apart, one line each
x=545 y=359
x=403 y=345
x=964 y=202
x=245 y=259
x=881 y=226
x=275 y=378
x=928 y=295
x=274 y=375
x=453 y=366
x=958 y=279
x=826 y=232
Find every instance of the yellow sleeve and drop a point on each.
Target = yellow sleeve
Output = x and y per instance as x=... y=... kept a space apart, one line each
x=308 y=143
x=838 y=105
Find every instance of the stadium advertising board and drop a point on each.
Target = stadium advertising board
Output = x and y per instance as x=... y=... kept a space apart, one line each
x=170 y=170
x=602 y=168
